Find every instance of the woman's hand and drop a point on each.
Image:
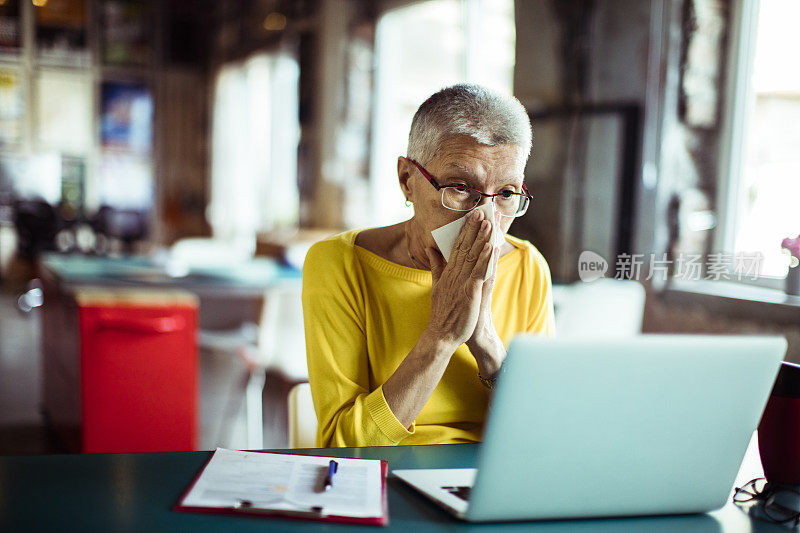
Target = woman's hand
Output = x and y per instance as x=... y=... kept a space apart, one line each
x=458 y=285
x=484 y=343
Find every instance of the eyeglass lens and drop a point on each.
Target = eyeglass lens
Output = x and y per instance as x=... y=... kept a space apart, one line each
x=783 y=505
x=462 y=199
x=779 y=504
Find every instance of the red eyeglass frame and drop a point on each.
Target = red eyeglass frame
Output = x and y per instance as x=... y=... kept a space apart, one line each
x=438 y=187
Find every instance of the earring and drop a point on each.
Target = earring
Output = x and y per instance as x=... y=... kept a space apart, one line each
x=409 y=203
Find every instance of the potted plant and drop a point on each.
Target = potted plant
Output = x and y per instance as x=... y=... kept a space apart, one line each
x=793 y=276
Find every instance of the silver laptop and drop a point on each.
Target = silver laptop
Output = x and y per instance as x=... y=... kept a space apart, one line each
x=579 y=428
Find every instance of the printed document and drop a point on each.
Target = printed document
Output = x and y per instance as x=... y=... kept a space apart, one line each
x=277 y=481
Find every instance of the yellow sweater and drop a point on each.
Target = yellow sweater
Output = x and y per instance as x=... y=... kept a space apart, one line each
x=364 y=314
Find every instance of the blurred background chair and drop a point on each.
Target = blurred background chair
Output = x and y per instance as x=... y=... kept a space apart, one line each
x=280 y=347
x=263 y=341
x=302 y=417
x=37 y=224
x=604 y=307
x=225 y=327
x=124 y=226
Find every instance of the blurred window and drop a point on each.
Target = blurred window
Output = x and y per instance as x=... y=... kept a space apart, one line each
x=64 y=111
x=255 y=135
x=420 y=49
x=765 y=186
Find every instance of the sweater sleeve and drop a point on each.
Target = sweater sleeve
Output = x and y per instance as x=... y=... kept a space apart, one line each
x=542 y=316
x=348 y=412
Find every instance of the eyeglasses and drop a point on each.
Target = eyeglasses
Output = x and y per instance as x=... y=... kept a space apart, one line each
x=463 y=198
x=781 y=505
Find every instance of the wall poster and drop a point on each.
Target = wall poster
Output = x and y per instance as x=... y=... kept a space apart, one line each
x=126 y=117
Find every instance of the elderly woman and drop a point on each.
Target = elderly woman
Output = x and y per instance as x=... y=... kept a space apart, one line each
x=404 y=343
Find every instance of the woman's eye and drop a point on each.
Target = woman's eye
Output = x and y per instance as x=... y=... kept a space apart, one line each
x=506 y=194
x=460 y=188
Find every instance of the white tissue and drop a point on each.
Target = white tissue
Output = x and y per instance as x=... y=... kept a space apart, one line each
x=446 y=235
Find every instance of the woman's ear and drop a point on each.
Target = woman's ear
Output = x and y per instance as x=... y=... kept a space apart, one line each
x=405 y=169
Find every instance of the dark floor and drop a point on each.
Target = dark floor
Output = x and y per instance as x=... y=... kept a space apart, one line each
x=22 y=429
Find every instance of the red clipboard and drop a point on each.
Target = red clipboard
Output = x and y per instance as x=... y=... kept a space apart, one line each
x=291 y=515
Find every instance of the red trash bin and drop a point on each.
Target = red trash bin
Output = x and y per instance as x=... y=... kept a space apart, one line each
x=137 y=371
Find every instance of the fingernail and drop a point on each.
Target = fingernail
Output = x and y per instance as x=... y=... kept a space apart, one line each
x=485 y=226
x=476 y=214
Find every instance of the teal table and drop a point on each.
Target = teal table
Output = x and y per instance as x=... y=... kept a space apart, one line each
x=135 y=492
x=137 y=271
x=228 y=296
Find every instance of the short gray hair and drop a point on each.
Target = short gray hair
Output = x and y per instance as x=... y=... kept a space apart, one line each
x=488 y=117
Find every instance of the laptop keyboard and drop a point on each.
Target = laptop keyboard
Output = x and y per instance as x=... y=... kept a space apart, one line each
x=461 y=492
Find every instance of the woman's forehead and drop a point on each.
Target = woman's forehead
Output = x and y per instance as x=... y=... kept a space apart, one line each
x=472 y=159
x=479 y=170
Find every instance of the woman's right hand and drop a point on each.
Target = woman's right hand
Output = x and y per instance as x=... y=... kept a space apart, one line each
x=457 y=284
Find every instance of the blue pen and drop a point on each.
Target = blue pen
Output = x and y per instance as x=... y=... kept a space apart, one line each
x=333 y=466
